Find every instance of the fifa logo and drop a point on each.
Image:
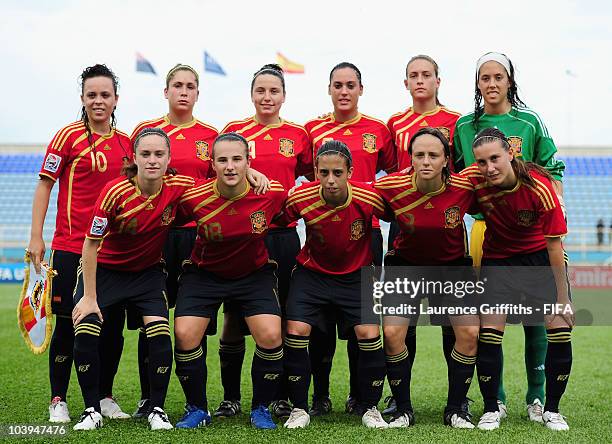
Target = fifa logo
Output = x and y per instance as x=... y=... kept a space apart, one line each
x=394 y=382
x=378 y=383
x=271 y=376
x=562 y=377
x=61 y=358
x=484 y=378
x=294 y=378
x=83 y=368
x=162 y=370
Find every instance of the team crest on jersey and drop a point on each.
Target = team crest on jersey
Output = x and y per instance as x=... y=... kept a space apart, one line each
x=167 y=218
x=516 y=143
x=258 y=222
x=452 y=217
x=285 y=147
x=52 y=163
x=369 y=142
x=445 y=131
x=527 y=218
x=202 y=151
x=357 y=229
x=98 y=226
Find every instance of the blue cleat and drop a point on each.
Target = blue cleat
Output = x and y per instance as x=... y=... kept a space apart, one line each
x=194 y=417
x=261 y=418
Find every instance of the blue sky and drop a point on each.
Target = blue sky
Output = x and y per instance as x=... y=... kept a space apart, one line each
x=49 y=43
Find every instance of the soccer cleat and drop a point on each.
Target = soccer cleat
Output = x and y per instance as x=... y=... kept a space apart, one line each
x=535 y=411
x=320 y=406
x=465 y=407
x=554 y=421
x=143 y=410
x=402 y=420
x=503 y=410
x=373 y=419
x=227 y=409
x=193 y=418
x=391 y=408
x=458 y=420
x=353 y=407
x=489 y=421
x=58 y=410
x=261 y=418
x=110 y=409
x=281 y=408
x=158 y=420
x=298 y=419
x=89 y=420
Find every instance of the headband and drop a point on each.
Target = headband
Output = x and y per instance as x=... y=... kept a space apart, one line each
x=484 y=138
x=333 y=152
x=493 y=57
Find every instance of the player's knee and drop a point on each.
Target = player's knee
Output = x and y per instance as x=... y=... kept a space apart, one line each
x=185 y=335
x=467 y=339
x=298 y=328
x=367 y=331
x=394 y=338
x=268 y=337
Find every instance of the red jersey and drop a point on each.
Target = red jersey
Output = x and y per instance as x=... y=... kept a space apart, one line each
x=191 y=145
x=518 y=220
x=368 y=139
x=282 y=152
x=82 y=171
x=432 y=230
x=338 y=240
x=133 y=229
x=405 y=124
x=231 y=232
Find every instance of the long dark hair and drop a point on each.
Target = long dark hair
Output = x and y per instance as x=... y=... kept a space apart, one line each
x=521 y=169
x=446 y=171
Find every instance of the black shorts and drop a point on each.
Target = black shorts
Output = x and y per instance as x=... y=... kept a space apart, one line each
x=178 y=248
x=450 y=285
x=142 y=291
x=202 y=292
x=394 y=231
x=377 y=247
x=283 y=246
x=313 y=293
x=63 y=285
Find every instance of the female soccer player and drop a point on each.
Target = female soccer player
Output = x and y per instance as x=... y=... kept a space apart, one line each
x=429 y=204
x=83 y=156
x=372 y=150
x=502 y=108
x=281 y=150
x=525 y=224
x=338 y=216
x=133 y=216
x=229 y=263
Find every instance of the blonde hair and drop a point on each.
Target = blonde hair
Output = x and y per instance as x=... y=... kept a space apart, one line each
x=180 y=67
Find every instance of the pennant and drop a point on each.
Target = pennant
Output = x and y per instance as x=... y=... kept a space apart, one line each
x=34 y=309
x=211 y=65
x=143 y=65
x=288 y=66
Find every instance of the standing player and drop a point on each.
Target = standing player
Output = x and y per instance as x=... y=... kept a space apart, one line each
x=280 y=150
x=529 y=138
x=423 y=82
x=83 y=156
x=229 y=263
x=338 y=216
x=429 y=204
x=121 y=266
x=525 y=224
x=372 y=150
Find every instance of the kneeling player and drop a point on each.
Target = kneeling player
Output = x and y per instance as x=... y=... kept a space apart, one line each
x=338 y=216
x=229 y=262
x=132 y=216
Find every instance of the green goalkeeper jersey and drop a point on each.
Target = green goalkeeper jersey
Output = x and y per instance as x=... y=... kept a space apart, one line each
x=526 y=134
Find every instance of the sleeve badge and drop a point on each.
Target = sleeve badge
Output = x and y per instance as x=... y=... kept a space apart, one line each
x=52 y=163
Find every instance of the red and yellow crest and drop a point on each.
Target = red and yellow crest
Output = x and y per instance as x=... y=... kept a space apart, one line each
x=167 y=218
x=202 y=151
x=285 y=147
x=444 y=130
x=357 y=229
x=516 y=143
x=526 y=218
x=258 y=222
x=369 y=142
x=452 y=217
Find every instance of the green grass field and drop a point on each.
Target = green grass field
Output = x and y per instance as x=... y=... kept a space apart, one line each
x=24 y=395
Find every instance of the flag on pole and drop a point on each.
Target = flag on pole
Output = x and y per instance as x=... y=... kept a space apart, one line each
x=288 y=66
x=143 y=65
x=211 y=65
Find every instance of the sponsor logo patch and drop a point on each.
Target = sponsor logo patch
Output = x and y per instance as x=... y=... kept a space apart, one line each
x=52 y=163
x=98 y=226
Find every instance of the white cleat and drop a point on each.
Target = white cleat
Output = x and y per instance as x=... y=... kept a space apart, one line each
x=110 y=409
x=403 y=420
x=298 y=419
x=58 y=411
x=489 y=421
x=90 y=420
x=554 y=421
x=373 y=419
x=503 y=410
x=158 y=420
x=535 y=411
x=458 y=421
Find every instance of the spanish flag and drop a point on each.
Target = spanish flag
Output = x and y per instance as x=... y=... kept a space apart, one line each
x=288 y=66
